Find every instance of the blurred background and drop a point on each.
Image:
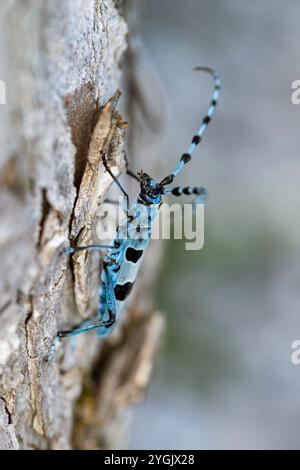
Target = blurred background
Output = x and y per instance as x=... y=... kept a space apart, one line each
x=225 y=377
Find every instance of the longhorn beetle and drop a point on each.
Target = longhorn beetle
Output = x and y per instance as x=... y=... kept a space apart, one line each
x=123 y=258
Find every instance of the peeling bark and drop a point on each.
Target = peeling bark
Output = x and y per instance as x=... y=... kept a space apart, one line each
x=60 y=63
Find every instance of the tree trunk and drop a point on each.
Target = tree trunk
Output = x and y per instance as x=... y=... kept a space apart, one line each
x=60 y=63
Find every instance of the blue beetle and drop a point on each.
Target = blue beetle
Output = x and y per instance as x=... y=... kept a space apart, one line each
x=124 y=257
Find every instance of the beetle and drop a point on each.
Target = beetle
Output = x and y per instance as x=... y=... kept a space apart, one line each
x=124 y=257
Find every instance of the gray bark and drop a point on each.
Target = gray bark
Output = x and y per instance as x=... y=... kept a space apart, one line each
x=60 y=62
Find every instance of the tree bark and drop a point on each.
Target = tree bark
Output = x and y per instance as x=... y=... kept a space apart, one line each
x=60 y=63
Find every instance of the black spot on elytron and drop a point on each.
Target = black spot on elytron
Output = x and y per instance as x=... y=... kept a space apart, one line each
x=206 y=120
x=133 y=255
x=187 y=190
x=185 y=158
x=214 y=103
x=123 y=290
x=196 y=139
x=217 y=87
x=176 y=191
x=167 y=180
